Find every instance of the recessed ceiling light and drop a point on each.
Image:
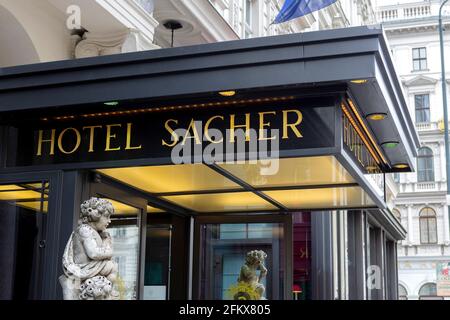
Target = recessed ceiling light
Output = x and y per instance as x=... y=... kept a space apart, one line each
x=401 y=166
x=377 y=116
x=359 y=81
x=390 y=144
x=229 y=93
x=111 y=103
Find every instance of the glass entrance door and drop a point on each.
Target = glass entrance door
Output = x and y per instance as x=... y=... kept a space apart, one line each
x=158 y=262
x=242 y=261
x=127 y=232
x=23 y=219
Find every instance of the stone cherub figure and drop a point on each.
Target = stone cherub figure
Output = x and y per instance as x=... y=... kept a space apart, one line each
x=254 y=262
x=89 y=271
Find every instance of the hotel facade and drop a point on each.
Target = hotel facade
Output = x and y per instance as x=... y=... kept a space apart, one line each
x=323 y=123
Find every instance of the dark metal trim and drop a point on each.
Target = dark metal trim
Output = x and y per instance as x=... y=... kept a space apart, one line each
x=274 y=188
x=246 y=186
x=49 y=258
x=152 y=161
x=347 y=162
x=152 y=200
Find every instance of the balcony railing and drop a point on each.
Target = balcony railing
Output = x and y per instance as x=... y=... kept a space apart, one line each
x=432 y=186
x=429 y=126
x=407 y=11
x=417 y=12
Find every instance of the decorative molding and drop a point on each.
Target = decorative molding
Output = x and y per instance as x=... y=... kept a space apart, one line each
x=420 y=80
x=97 y=44
x=135 y=15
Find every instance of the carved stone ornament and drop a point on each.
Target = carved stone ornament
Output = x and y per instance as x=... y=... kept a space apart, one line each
x=89 y=271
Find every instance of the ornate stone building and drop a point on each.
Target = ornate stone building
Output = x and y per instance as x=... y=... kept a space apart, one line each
x=48 y=30
x=411 y=28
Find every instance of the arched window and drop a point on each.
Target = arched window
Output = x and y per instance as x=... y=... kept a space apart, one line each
x=402 y=293
x=397 y=214
x=425 y=166
x=428 y=291
x=428 y=228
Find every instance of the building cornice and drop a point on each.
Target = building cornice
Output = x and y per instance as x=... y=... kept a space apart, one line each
x=420 y=80
x=412 y=26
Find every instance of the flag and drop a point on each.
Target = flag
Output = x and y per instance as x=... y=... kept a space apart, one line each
x=296 y=8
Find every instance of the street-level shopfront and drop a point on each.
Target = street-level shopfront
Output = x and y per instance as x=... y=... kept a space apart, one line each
x=278 y=144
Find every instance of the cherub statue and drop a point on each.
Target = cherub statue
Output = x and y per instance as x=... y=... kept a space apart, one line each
x=89 y=271
x=254 y=262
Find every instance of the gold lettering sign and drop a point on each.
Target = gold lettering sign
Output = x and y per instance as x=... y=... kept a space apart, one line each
x=289 y=122
x=77 y=141
x=69 y=140
x=118 y=137
x=51 y=140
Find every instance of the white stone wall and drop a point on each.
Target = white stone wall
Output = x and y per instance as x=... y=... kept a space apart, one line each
x=115 y=26
x=412 y=24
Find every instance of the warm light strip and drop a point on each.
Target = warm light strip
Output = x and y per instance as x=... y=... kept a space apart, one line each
x=361 y=122
x=176 y=107
x=372 y=152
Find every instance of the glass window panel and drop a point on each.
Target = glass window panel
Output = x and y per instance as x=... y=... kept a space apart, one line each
x=322 y=198
x=418 y=101
x=171 y=178
x=415 y=53
x=432 y=236
x=423 y=52
x=424 y=230
x=19 y=195
x=151 y=209
x=22 y=225
x=233 y=231
x=157 y=262
x=125 y=236
x=34 y=205
x=425 y=165
x=416 y=65
x=222 y=261
x=428 y=289
x=10 y=187
x=423 y=64
x=292 y=172
x=122 y=208
x=233 y=235
x=401 y=291
x=260 y=230
x=427 y=212
x=222 y=202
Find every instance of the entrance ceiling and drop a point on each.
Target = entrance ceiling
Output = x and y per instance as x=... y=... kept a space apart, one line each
x=290 y=184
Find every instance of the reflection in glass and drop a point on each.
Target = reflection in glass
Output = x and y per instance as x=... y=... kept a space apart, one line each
x=124 y=230
x=223 y=251
x=301 y=224
x=23 y=209
x=157 y=262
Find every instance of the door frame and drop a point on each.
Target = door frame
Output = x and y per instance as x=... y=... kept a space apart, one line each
x=285 y=219
x=49 y=260
x=115 y=192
